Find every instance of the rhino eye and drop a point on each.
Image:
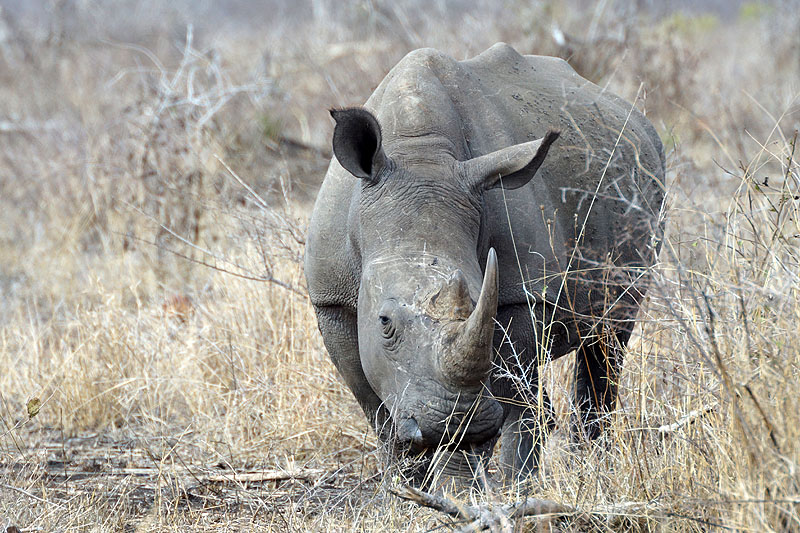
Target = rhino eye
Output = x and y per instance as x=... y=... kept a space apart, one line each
x=386 y=316
x=387 y=326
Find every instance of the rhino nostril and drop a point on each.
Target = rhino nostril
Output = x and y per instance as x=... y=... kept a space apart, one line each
x=408 y=431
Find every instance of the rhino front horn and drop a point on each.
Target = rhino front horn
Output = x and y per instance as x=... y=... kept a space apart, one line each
x=469 y=358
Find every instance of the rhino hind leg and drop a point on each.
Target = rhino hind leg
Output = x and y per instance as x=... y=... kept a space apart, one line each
x=598 y=362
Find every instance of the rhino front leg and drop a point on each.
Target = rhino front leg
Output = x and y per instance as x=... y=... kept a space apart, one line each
x=339 y=330
x=529 y=415
x=523 y=436
x=597 y=366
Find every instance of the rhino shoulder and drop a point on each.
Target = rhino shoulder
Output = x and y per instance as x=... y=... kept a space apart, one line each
x=504 y=55
x=332 y=255
x=426 y=57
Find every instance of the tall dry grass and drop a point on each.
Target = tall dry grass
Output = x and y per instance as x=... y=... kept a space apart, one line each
x=153 y=301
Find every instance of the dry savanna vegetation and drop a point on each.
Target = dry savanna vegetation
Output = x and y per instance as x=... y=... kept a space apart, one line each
x=160 y=365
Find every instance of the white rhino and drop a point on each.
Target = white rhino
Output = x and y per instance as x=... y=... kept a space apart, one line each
x=502 y=189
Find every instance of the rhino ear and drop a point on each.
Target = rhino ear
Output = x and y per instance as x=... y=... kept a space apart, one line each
x=357 y=142
x=516 y=165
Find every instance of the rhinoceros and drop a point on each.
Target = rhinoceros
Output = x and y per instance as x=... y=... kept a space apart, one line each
x=478 y=219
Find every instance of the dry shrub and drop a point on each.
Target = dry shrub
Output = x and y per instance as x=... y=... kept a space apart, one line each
x=143 y=359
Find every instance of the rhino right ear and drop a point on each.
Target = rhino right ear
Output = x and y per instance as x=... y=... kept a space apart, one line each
x=357 y=143
x=510 y=167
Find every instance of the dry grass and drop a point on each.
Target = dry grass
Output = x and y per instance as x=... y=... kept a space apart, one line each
x=155 y=305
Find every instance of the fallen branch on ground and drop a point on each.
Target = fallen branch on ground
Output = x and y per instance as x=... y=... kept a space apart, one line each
x=493 y=516
x=498 y=517
x=264 y=475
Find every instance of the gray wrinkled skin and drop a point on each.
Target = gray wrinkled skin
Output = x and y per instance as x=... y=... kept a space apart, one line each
x=399 y=243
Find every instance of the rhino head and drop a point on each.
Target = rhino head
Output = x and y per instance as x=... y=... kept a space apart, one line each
x=426 y=308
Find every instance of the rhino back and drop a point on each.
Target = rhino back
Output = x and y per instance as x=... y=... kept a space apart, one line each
x=430 y=105
x=557 y=222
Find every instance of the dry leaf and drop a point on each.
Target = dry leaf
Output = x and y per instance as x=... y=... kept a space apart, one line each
x=33 y=407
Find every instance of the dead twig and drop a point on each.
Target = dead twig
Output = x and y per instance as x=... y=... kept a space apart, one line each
x=689 y=418
x=492 y=516
x=264 y=475
x=499 y=517
x=438 y=503
x=32 y=496
x=30 y=126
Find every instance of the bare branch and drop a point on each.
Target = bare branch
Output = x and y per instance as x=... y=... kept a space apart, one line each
x=265 y=475
x=689 y=418
x=488 y=515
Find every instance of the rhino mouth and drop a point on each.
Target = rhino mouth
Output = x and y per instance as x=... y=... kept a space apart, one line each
x=449 y=442
x=466 y=423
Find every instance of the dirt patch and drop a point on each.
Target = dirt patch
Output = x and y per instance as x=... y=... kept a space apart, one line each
x=136 y=481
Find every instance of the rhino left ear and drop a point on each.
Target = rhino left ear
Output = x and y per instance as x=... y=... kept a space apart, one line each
x=357 y=142
x=516 y=165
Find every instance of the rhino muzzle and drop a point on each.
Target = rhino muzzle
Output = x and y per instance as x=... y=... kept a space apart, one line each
x=440 y=420
x=466 y=354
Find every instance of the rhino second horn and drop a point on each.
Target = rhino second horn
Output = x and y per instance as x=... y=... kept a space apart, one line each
x=468 y=359
x=452 y=300
x=459 y=292
x=458 y=285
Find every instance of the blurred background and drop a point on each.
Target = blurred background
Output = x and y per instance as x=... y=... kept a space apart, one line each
x=112 y=103
x=158 y=162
